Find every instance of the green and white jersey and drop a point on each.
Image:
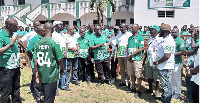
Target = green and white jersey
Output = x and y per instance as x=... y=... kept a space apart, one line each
x=10 y=59
x=84 y=45
x=122 y=42
x=191 y=58
x=134 y=43
x=47 y=52
x=100 y=53
x=180 y=45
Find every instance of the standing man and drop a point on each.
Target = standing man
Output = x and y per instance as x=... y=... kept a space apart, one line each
x=151 y=71
x=165 y=62
x=10 y=63
x=90 y=33
x=46 y=55
x=114 y=60
x=84 y=45
x=134 y=56
x=101 y=56
x=35 y=86
x=120 y=51
x=176 y=74
x=72 y=50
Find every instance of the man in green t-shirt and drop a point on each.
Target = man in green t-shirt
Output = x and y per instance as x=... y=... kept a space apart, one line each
x=35 y=86
x=46 y=55
x=84 y=45
x=176 y=73
x=101 y=56
x=134 y=56
x=10 y=63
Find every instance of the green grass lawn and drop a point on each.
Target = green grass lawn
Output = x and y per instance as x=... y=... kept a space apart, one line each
x=92 y=94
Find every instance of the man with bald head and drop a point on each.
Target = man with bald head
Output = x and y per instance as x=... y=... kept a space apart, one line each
x=101 y=56
x=36 y=89
x=176 y=74
x=72 y=50
x=134 y=56
x=84 y=45
x=121 y=46
x=47 y=57
x=10 y=63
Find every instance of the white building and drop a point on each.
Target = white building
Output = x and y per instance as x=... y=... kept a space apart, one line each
x=77 y=12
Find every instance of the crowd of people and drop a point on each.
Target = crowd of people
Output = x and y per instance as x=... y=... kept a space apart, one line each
x=54 y=49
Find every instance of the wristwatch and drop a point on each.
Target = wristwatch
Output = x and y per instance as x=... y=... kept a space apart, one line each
x=11 y=45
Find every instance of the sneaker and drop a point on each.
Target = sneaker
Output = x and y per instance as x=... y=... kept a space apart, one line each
x=57 y=94
x=113 y=80
x=137 y=94
x=122 y=85
x=99 y=84
x=148 y=91
x=88 y=82
x=131 y=91
x=129 y=86
x=156 y=94
x=67 y=88
x=76 y=83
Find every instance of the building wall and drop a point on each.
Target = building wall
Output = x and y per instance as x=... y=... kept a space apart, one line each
x=184 y=16
x=8 y=2
x=34 y=3
x=89 y=17
x=122 y=15
x=64 y=17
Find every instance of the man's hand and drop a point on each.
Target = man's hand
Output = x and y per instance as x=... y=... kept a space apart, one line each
x=183 y=52
x=21 y=65
x=65 y=55
x=129 y=57
x=154 y=63
x=76 y=53
x=13 y=39
x=37 y=78
x=115 y=58
x=102 y=45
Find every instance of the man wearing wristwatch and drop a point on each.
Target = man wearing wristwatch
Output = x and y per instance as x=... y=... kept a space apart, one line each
x=165 y=62
x=10 y=63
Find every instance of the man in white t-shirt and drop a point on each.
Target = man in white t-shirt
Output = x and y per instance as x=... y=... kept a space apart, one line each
x=26 y=38
x=193 y=69
x=165 y=62
x=59 y=38
x=121 y=45
x=72 y=50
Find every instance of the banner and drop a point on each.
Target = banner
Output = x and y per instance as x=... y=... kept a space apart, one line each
x=168 y=3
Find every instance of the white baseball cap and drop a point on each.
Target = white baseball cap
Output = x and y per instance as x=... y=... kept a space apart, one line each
x=56 y=23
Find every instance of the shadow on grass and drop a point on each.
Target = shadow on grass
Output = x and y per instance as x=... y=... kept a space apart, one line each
x=24 y=85
x=22 y=99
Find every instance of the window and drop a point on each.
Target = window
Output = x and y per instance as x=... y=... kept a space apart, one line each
x=95 y=22
x=44 y=1
x=165 y=14
x=2 y=3
x=130 y=2
x=119 y=21
x=131 y=21
x=65 y=22
x=21 y=2
x=71 y=0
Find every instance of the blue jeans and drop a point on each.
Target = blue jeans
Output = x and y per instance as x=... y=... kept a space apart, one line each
x=188 y=87
x=63 y=76
x=165 y=76
x=74 y=63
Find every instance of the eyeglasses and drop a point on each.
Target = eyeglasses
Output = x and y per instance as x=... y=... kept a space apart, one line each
x=173 y=32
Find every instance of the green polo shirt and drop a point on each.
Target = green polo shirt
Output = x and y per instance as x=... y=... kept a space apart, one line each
x=100 y=53
x=31 y=45
x=184 y=33
x=90 y=35
x=180 y=45
x=10 y=59
x=21 y=33
x=192 y=57
x=47 y=52
x=133 y=45
x=84 y=45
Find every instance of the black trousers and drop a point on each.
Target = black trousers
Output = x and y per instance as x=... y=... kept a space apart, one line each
x=84 y=64
x=92 y=67
x=49 y=91
x=195 y=92
x=10 y=85
x=36 y=87
x=113 y=67
x=103 y=69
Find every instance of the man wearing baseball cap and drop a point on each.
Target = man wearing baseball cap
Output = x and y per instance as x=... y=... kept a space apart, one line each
x=151 y=72
x=165 y=62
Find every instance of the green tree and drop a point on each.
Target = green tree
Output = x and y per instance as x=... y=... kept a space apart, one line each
x=101 y=6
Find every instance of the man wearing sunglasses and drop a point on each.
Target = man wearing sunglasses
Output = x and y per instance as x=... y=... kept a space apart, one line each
x=10 y=63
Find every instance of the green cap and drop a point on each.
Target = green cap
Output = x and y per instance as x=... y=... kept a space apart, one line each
x=155 y=27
